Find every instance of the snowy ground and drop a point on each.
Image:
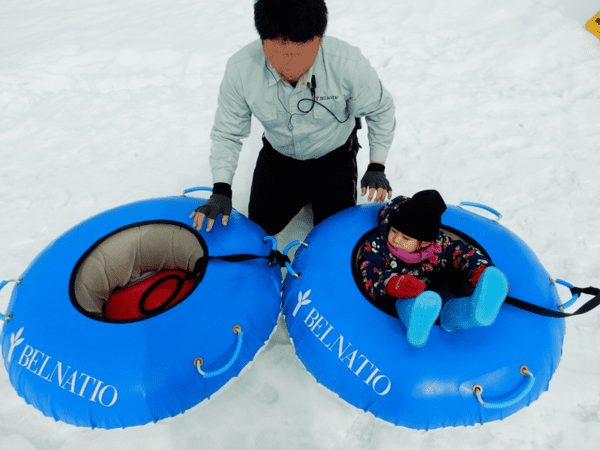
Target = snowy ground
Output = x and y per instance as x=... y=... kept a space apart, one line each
x=105 y=103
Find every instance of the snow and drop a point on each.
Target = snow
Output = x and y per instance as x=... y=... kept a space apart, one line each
x=106 y=103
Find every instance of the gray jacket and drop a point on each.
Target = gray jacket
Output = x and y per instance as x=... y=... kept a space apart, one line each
x=345 y=83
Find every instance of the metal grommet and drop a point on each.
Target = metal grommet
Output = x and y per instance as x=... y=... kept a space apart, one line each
x=524 y=370
x=237 y=329
x=198 y=362
x=8 y=317
x=297 y=275
x=478 y=390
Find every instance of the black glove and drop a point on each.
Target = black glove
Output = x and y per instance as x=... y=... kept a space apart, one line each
x=375 y=178
x=218 y=203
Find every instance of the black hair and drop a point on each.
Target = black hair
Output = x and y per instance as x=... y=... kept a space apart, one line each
x=296 y=20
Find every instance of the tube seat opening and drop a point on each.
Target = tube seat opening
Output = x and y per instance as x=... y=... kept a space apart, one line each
x=137 y=272
x=453 y=282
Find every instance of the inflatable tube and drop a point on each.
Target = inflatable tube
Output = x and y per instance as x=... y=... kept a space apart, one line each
x=360 y=352
x=70 y=359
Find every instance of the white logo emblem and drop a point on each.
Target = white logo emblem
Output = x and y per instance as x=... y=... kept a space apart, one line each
x=302 y=301
x=15 y=340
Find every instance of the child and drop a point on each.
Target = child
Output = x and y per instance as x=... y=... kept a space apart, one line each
x=408 y=256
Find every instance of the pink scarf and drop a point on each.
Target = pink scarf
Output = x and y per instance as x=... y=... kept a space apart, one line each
x=411 y=258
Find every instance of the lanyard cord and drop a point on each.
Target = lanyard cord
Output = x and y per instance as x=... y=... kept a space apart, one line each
x=313 y=87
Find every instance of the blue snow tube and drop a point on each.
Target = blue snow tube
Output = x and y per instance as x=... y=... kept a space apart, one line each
x=68 y=359
x=360 y=351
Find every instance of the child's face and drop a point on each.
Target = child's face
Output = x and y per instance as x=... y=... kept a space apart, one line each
x=400 y=240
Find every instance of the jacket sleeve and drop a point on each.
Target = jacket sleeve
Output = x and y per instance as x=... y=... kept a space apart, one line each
x=232 y=124
x=374 y=270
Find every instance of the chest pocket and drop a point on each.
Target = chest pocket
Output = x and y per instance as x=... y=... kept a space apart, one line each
x=264 y=111
x=269 y=115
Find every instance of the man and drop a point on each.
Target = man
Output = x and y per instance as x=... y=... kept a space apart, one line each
x=306 y=90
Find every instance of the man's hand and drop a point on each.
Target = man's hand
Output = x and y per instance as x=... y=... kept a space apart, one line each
x=376 y=181
x=218 y=203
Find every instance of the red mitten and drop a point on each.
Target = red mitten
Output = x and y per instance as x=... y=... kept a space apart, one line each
x=476 y=275
x=404 y=286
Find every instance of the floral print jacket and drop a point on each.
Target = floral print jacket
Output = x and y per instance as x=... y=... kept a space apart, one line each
x=452 y=263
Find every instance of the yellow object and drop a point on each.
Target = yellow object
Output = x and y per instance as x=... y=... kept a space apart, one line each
x=593 y=25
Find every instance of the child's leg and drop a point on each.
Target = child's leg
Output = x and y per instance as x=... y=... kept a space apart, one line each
x=419 y=314
x=481 y=308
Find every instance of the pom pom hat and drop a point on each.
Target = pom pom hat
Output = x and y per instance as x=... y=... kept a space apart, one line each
x=420 y=217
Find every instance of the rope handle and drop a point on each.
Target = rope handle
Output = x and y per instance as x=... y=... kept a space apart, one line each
x=199 y=361
x=195 y=189
x=7 y=317
x=575 y=294
x=521 y=393
x=272 y=240
x=487 y=208
x=288 y=266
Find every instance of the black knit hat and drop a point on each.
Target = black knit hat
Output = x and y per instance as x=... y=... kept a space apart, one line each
x=420 y=217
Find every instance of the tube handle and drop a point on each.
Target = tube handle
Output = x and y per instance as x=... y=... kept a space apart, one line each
x=7 y=317
x=195 y=189
x=524 y=389
x=288 y=266
x=199 y=361
x=487 y=208
x=574 y=298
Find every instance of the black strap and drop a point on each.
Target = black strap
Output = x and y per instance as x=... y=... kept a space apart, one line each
x=275 y=257
x=354 y=144
x=591 y=304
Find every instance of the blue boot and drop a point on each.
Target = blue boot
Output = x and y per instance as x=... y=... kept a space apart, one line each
x=481 y=308
x=419 y=314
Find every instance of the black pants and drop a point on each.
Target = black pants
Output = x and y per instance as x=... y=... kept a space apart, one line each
x=282 y=186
